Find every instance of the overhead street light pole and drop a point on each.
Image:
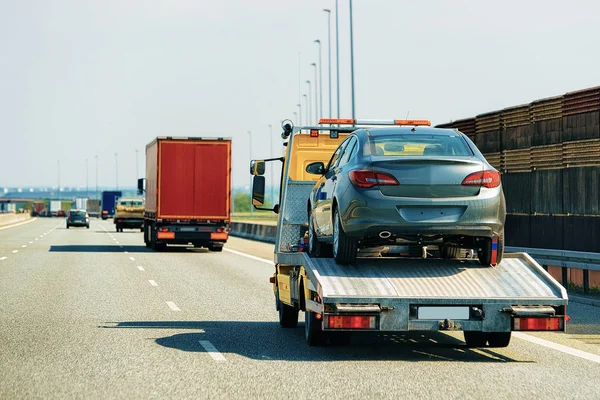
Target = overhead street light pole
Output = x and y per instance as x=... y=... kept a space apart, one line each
x=309 y=105
x=296 y=118
x=320 y=81
x=316 y=94
x=306 y=105
x=352 y=61
x=329 y=55
x=300 y=113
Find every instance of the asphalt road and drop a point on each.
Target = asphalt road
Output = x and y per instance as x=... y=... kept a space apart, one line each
x=94 y=314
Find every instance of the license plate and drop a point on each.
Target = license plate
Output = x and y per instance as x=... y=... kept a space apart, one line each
x=438 y=313
x=187 y=229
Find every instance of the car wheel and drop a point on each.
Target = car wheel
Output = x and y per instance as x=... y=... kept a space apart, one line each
x=344 y=247
x=476 y=338
x=67 y=226
x=314 y=246
x=314 y=334
x=215 y=248
x=485 y=252
x=499 y=339
x=87 y=226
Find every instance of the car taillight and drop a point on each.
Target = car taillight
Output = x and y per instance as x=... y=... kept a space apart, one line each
x=351 y=322
x=538 y=324
x=489 y=179
x=163 y=229
x=368 y=179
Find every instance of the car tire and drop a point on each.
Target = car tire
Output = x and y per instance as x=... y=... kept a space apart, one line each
x=67 y=226
x=314 y=246
x=499 y=339
x=288 y=315
x=476 y=338
x=484 y=254
x=313 y=333
x=216 y=248
x=344 y=247
x=87 y=226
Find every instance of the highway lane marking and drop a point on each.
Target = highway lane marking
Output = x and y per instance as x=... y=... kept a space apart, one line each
x=37 y=238
x=141 y=268
x=15 y=251
x=212 y=350
x=30 y=242
x=3 y=258
x=132 y=259
x=153 y=283
x=19 y=224
x=239 y=253
x=559 y=347
x=173 y=306
x=126 y=252
x=24 y=246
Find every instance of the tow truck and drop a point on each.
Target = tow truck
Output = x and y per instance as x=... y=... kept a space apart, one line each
x=392 y=294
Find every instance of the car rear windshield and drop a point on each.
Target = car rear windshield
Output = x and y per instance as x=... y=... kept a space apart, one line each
x=419 y=145
x=131 y=203
x=80 y=214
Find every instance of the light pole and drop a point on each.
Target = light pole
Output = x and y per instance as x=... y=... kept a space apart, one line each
x=337 y=55
x=320 y=81
x=300 y=113
x=272 y=169
x=250 y=156
x=306 y=105
x=352 y=60
x=97 y=192
x=296 y=118
x=329 y=59
x=117 y=171
x=309 y=104
x=316 y=101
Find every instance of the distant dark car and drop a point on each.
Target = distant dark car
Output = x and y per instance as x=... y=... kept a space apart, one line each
x=60 y=213
x=397 y=186
x=78 y=218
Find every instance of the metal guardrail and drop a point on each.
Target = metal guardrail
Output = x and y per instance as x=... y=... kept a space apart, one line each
x=565 y=259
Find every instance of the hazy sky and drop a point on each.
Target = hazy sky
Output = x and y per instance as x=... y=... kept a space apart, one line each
x=80 y=78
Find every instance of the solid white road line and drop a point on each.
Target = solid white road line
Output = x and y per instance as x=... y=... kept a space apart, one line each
x=141 y=268
x=153 y=283
x=239 y=253
x=555 y=346
x=173 y=306
x=3 y=258
x=19 y=224
x=15 y=251
x=132 y=258
x=212 y=350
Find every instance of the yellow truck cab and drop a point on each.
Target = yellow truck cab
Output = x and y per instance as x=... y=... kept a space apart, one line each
x=129 y=213
x=382 y=294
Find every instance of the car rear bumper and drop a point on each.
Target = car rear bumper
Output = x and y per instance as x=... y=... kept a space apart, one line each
x=130 y=222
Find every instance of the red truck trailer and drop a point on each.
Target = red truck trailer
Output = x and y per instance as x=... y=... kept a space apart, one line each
x=188 y=192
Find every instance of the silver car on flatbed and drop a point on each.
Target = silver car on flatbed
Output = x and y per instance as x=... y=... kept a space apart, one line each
x=407 y=186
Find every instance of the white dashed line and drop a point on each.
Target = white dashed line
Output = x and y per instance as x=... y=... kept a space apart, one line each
x=141 y=268
x=153 y=283
x=37 y=238
x=30 y=242
x=132 y=259
x=212 y=350
x=15 y=251
x=24 y=246
x=3 y=258
x=555 y=346
x=239 y=253
x=173 y=306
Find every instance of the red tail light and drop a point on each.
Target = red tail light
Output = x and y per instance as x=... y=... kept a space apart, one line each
x=163 y=229
x=538 y=324
x=351 y=322
x=368 y=179
x=489 y=179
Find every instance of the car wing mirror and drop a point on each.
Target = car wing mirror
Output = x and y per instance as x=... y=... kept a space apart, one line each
x=316 y=168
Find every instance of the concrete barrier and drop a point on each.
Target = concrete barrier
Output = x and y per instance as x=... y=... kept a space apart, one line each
x=254 y=231
x=12 y=218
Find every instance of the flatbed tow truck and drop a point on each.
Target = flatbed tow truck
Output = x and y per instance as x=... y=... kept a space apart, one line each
x=396 y=294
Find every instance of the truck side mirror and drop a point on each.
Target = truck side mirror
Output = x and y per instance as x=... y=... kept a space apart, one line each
x=258 y=191
x=257 y=167
x=315 y=168
x=141 y=186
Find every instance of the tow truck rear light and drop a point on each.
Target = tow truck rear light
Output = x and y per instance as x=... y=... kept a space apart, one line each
x=314 y=133
x=350 y=121
x=538 y=324
x=351 y=322
x=344 y=121
x=368 y=179
x=413 y=122
x=489 y=179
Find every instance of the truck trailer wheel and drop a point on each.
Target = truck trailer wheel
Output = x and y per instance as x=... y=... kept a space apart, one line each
x=499 y=339
x=288 y=315
x=476 y=338
x=314 y=334
x=344 y=247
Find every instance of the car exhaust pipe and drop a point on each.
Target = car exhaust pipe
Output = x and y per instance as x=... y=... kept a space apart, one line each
x=385 y=234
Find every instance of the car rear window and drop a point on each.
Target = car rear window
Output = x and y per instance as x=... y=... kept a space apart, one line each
x=418 y=145
x=77 y=214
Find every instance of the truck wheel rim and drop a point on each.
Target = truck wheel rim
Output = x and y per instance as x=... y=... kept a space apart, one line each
x=336 y=234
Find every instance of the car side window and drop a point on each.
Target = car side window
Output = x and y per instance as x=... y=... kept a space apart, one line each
x=336 y=155
x=349 y=152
